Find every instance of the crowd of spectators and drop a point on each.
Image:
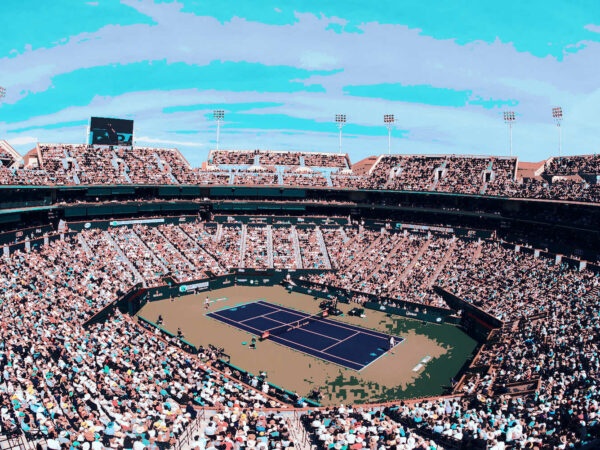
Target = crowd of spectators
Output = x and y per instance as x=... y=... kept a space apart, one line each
x=86 y=164
x=311 y=248
x=203 y=234
x=144 y=167
x=553 y=343
x=31 y=177
x=463 y=174
x=97 y=167
x=104 y=384
x=178 y=265
x=398 y=266
x=571 y=165
x=246 y=428
x=255 y=178
x=95 y=242
x=174 y=163
x=277 y=158
x=503 y=178
x=115 y=383
x=61 y=164
x=110 y=385
x=8 y=156
x=326 y=160
x=287 y=159
x=193 y=249
x=208 y=177
x=228 y=245
x=416 y=173
x=521 y=287
x=56 y=161
x=350 y=181
x=207 y=238
x=314 y=179
x=228 y=157
x=405 y=266
x=335 y=239
x=133 y=248
x=256 y=253
x=284 y=256
x=416 y=285
x=360 y=428
x=580 y=191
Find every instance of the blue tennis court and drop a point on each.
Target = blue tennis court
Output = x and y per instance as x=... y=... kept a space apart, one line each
x=340 y=343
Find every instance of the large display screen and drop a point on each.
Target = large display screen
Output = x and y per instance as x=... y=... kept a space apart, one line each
x=107 y=131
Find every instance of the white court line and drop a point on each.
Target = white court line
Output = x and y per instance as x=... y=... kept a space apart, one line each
x=339 y=342
x=387 y=351
x=332 y=322
x=301 y=345
x=262 y=315
x=364 y=367
x=291 y=323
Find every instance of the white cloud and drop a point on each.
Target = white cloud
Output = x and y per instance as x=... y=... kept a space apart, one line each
x=166 y=142
x=379 y=54
x=23 y=140
x=314 y=60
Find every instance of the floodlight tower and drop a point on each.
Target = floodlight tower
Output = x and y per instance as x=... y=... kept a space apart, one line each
x=219 y=116
x=340 y=120
x=557 y=115
x=2 y=92
x=388 y=120
x=509 y=119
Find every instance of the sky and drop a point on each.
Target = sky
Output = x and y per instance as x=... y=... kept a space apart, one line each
x=282 y=70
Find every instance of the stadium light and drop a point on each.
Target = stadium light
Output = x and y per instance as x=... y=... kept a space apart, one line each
x=340 y=120
x=219 y=116
x=2 y=92
x=388 y=120
x=509 y=119
x=557 y=115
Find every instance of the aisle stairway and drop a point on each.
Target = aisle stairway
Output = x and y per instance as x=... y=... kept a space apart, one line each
x=296 y=245
x=391 y=253
x=429 y=282
x=323 y=247
x=243 y=246
x=84 y=245
x=414 y=261
x=270 y=246
x=138 y=276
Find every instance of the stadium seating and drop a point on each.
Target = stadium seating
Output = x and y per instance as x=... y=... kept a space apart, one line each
x=567 y=178
x=116 y=382
x=571 y=165
x=66 y=281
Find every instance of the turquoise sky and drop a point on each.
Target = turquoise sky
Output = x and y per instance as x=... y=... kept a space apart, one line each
x=282 y=70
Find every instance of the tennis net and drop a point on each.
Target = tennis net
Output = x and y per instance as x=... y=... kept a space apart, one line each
x=281 y=329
